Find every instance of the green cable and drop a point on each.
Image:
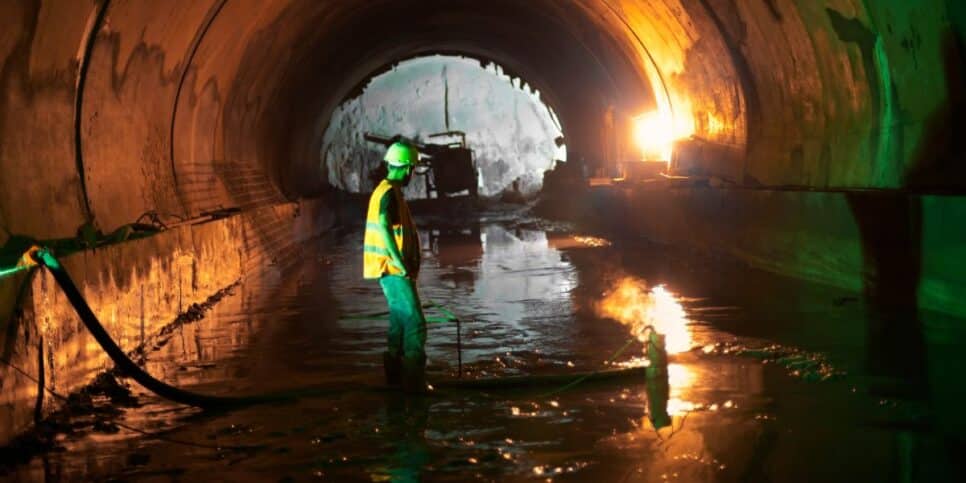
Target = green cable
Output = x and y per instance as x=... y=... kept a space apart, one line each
x=581 y=379
x=449 y=316
x=444 y=310
x=6 y=272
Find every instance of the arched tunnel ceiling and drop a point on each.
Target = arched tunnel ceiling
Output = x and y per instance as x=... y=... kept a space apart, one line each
x=188 y=105
x=339 y=48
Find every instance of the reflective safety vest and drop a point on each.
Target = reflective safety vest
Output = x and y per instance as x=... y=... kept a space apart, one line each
x=376 y=258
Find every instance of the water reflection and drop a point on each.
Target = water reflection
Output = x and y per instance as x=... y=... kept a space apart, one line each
x=631 y=303
x=518 y=277
x=520 y=266
x=680 y=378
x=403 y=424
x=657 y=319
x=527 y=300
x=457 y=252
x=658 y=391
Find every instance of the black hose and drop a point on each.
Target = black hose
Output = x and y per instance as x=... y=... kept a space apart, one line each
x=125 y=364
x=542 y=380
x=190 y=398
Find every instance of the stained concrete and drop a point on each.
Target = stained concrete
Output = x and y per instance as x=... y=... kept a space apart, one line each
x=134 y=288
x=185 y=95
x=110 y=109
x=904 y=247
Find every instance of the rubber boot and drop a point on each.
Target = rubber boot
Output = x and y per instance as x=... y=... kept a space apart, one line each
x=392 y=366
x=414 y=375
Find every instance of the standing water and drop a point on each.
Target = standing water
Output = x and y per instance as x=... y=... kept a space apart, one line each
x=767 y=377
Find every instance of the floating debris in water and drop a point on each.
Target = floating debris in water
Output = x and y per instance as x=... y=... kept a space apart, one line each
x=592 y=241
x=808 y=366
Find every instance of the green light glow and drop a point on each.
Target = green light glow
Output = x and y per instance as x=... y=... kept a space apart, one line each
x=6 y=272
x=887 y=169
x=48 y=259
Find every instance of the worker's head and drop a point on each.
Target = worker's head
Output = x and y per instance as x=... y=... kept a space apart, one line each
x=401 y=158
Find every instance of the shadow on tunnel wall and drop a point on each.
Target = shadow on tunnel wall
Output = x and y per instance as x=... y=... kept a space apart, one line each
x=891 y=230
x=939 y=163
x=890 y=226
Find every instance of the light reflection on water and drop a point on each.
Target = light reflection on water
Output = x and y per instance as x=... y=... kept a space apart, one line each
x=681 y=378
x=641 y=309
x=520 y=293
x=519 y=269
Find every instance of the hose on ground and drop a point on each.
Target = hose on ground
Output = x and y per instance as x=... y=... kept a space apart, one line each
x=124 y=363
x=44 y=257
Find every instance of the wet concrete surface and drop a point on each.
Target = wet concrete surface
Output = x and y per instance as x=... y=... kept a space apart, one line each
x=770 y=379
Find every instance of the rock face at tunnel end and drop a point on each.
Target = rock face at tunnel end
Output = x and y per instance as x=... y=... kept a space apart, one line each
x=509 y=129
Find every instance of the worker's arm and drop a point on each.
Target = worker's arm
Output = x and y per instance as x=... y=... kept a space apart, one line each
x=385 y=229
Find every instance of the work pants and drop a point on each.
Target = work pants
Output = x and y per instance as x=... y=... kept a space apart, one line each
x=407 y=324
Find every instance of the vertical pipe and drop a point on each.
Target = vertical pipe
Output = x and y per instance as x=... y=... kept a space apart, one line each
x=82 y=68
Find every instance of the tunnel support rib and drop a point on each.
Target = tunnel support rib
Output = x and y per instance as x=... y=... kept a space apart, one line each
x=84 y=64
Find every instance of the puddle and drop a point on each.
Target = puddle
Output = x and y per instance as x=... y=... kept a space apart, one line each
x=766 y=377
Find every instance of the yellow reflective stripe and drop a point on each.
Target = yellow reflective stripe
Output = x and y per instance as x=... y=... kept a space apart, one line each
x=377 y=260
x=376 y=250
x=374 y=225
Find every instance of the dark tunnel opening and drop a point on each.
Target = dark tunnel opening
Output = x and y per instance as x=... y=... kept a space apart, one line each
x=752 y=253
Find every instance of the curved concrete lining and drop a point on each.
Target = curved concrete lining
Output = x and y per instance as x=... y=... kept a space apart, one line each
x=230 y=98
x=111 y=108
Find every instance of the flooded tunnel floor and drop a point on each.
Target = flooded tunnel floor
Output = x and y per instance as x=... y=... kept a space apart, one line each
x=770 y=379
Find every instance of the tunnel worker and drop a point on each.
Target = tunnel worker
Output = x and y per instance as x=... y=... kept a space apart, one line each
x=391 y=254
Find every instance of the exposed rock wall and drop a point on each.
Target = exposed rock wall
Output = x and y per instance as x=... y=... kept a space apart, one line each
x=510 y=130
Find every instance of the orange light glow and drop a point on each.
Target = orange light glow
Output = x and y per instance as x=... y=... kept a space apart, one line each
x=632 y=304
x=655 y=133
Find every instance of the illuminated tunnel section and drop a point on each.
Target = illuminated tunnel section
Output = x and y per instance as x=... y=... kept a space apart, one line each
x=818 y=128
x=513 y=134
x=221 y=103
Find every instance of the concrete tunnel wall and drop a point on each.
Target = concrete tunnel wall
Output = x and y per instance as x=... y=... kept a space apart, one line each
x=113 y=108
x=185 y=106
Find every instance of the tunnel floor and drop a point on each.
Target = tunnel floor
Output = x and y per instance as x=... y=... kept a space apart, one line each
x=777 y=383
